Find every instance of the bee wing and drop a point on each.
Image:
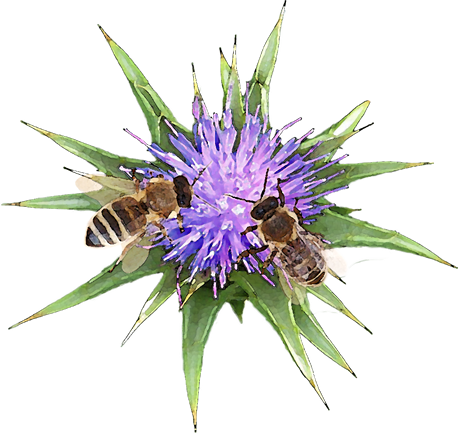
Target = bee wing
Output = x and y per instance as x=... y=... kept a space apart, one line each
x=105 y=189
x=123 y=186
x=135 y=257
x=336 y=261
x=86 y=184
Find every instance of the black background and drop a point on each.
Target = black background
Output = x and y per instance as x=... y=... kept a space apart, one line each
x=67 y=81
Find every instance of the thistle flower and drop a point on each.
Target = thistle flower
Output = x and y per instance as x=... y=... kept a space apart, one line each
x=212 y=238
x=236 y=152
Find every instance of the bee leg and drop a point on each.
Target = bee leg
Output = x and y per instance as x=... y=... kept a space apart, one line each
x=136 y=181
x=269 y=260
x=251 y=251
x=163 y=230
x=298 y=213
x=249 y=229
x=180 y=222
x=281 y=196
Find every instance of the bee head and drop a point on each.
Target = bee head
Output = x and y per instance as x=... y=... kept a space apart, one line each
x=260 y=210
x=183 y=190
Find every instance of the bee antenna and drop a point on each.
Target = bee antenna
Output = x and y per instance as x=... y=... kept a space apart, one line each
x=200 y=173
x=240 y=198
x=265 y=184
x=209 y=204
x=87 y=175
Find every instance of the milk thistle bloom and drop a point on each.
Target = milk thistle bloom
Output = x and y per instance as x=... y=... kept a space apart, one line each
x=235 y=153
x=212 y=240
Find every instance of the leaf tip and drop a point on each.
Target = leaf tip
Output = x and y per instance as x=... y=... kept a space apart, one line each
x=104 y=33
x=34 y=316
x=40 y=130
x=409 y=165
x=194 y=418
x=194 y=81
x=12 y=204
x=315 y=386
x=282 y=13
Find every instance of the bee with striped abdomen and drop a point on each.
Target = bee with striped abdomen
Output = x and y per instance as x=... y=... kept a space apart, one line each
x=125 y=219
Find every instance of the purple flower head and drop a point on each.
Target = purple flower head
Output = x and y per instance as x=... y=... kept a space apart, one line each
x=215 y=220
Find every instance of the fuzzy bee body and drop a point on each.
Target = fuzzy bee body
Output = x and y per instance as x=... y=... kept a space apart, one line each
x=116 y=222
x=125 y=219
x=300 y=252
x=303 y=259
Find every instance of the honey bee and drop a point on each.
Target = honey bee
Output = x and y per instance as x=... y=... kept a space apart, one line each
x=301 y=252
x=125 y=219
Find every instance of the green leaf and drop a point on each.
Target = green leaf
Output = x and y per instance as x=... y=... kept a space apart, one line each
x=329 y=146
x=150 y=102
x=161 y=293
x=103 y=282
x=325 y=294
x=297 y=296
x=306 y=321
x=104 y=161
x=157 y=126
x=237 y=307
x=311 y=329
x=236 y=101
x=278 y=307
x=342 y=130
x=199 y=314
x=76 y=201
x=337 y=209
x=354 y=172
x=225 y=75
x=260 y=82
x=346 y=231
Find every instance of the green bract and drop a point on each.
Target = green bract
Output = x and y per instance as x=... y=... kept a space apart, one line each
x=288 y=312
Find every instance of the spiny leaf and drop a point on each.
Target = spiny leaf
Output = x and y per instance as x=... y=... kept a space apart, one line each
x=345 y=128
x=199 y=280
x=260 y=82
x=354 y=172
x=329 y=146
x=76 y=201
x=346 y=231
x=311 y=329
x=306 y=321
x=199 y=314
x=157 y=126
x=161 y=293
x=337 y=209
x=325 y=294
x=278 y=307
x=150 y=102
x=225 y=75
x=104 y=161
x=237 y=307
x=103 y=282
x=236 y=100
